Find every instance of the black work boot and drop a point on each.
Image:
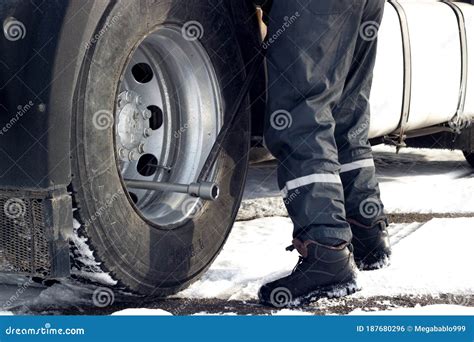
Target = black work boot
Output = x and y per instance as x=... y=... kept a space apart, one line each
x=322 y=271
x=371 y=245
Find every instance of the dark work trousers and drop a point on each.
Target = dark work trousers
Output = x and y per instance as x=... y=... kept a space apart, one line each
x=320 y=58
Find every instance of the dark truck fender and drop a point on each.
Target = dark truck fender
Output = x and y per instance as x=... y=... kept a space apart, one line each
x=41 y=55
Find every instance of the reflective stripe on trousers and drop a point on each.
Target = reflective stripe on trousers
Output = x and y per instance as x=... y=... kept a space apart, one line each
x=325 y=178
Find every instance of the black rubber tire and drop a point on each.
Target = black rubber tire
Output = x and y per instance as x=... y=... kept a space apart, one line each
x=469 y=157
x=143 y=257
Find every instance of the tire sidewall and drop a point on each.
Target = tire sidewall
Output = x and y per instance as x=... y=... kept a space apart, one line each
x=147 y=258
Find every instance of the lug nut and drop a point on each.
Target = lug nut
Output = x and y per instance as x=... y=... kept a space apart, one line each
x=147 y=114
x=122 y=153
x=147 y=132
x=138 y=100
x=128 y=96
x=141 y=148
x=133 y=156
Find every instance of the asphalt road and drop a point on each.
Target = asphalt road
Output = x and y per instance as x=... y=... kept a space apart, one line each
x=216 y=306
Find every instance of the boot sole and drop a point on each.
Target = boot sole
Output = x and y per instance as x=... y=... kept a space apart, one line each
x=330 y=292
x=382 y=262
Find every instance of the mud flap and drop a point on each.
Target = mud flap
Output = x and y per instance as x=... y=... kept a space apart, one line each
x=35 y=228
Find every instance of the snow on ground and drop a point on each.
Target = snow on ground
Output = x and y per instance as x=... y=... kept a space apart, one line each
x=429 y=310
x=254 y=253
x=282 y=312
x=84 y=256
x=436 y=258
x=425 y=181
x=428 y=259
x=415 y=180
x=142 y=312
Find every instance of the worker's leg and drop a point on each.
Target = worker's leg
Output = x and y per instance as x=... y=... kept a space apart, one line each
x=364 y=208
x=310 y=53
x=352 y=116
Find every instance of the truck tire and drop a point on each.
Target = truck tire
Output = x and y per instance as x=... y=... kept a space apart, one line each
x=155 y=87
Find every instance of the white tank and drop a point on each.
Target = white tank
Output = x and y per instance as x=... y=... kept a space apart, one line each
x=387 y=88
x=468 y=11
x=436 y=66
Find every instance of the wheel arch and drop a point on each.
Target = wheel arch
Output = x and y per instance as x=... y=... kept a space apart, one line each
x=39 y=73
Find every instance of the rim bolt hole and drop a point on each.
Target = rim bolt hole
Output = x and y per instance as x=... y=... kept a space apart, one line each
x=142 y=73
x=156 y=119
x=147 y=165
x=134 y=197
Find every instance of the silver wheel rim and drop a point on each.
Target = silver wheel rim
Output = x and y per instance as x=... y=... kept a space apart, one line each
x=168 y=115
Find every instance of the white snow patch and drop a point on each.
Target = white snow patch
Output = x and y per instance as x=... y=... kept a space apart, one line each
x=288 y=312
x=93 y=271
x=428 y=259
x=436 y=258
x=254 y=253
x=204 y=313
x=418 y=310
x=142 y=312
x=282 y=312
x=425 y=181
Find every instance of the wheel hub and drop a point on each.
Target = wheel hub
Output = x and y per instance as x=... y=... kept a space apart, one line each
x=133 y=127
x=169 y=113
